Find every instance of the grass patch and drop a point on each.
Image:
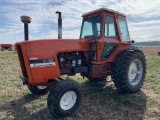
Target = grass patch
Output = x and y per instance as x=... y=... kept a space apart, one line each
x=39 y=104
x=150 y=102
x=5 y=99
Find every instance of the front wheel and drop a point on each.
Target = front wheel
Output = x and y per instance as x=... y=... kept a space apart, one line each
x=38 y=90
x=64 y=98
x=129 y=70
x=2 y=49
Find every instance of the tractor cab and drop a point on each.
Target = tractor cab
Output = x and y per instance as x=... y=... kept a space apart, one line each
x=107 y=31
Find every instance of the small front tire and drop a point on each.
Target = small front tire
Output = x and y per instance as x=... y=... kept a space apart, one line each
x=64 y=98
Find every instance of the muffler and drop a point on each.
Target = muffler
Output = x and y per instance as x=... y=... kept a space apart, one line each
x=59 y=25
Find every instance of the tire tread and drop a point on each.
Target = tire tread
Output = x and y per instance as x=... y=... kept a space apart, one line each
x=118 y=70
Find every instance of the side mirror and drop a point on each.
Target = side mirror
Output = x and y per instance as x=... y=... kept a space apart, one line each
x=92 y=38
x=132 y=41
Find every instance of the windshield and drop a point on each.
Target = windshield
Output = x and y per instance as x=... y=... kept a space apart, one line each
x=91 y=26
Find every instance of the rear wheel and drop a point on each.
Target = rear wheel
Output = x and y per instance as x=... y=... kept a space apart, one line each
x=10 y=49
x=2 y=49
x=129 y=70
x=64 y=98
x=38 y=90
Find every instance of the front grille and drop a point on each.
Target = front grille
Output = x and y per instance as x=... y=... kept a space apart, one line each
x=21 y=59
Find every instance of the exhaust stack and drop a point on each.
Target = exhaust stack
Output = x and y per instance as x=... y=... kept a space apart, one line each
x=26 y=20
x=59 y=25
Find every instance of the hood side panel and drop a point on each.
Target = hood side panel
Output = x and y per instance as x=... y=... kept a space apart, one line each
x=41 y=57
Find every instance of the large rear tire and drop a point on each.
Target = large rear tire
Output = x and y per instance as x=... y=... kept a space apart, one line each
x=129 y=71
x=38 y=90
x=64 y=98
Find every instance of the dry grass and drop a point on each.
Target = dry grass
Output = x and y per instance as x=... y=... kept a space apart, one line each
x=151 y=51
x=17 y=103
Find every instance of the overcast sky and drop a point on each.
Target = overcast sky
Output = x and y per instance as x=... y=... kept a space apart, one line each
x=143 y=17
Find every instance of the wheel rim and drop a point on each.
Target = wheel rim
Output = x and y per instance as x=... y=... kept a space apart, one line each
x=68 y=100
x=135 y=72
x=41 y=87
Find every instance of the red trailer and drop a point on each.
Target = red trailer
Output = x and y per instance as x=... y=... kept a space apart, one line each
x=6 y=46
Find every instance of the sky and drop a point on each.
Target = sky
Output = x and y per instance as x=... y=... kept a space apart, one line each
x=143 y=17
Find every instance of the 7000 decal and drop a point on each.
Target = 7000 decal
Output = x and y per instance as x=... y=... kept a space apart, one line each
x=42 y=63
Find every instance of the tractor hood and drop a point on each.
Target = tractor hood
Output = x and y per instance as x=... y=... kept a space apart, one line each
x=51 y=47
x=33 y=53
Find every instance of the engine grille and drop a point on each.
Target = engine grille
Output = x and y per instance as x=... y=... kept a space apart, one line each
x=22 y=63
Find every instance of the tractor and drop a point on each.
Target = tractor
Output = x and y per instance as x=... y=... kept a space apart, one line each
x=103 y=49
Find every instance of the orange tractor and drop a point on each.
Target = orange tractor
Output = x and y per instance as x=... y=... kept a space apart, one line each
x=103 y=49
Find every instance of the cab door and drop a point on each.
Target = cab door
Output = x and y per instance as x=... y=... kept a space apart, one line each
x=110 y=37
x=116 y=37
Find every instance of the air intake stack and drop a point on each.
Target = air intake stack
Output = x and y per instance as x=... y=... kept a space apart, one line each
x=26 y=20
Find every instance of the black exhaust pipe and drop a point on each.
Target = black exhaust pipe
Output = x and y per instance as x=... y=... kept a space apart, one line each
x=59 y=25
x=26 y=20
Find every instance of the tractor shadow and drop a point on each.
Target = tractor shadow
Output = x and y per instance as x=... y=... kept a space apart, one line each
x=16 y=110
x=106 y=103
x=98 y=103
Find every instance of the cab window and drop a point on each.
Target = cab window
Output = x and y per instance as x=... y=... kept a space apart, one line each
x=110 y=27
x=91 y=26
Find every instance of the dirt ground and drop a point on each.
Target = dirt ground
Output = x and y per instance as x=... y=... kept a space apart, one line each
x=99 y=103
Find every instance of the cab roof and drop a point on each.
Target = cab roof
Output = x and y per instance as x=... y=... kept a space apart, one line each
x=105 y=9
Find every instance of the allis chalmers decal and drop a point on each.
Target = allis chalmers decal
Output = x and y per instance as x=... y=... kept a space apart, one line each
x=41 y=63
